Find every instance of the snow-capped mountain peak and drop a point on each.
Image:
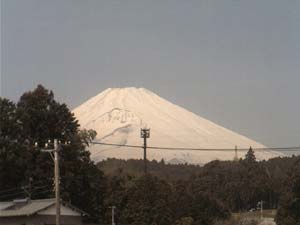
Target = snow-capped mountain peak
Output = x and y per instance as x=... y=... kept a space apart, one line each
x=118 y=114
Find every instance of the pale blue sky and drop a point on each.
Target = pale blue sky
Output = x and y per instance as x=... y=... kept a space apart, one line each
x=235 y=62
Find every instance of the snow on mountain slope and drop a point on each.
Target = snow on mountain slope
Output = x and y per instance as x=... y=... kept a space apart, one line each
x=117 y=114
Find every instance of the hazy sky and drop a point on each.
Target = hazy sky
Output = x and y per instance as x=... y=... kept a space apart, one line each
x=235 y=62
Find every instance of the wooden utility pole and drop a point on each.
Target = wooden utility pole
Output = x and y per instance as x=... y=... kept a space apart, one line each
x=113 y=215
x=56 y=172
x=55 y=150
x=261 y=209
x=145 y=133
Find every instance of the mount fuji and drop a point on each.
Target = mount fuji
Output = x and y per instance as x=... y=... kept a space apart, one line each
x=118 y=114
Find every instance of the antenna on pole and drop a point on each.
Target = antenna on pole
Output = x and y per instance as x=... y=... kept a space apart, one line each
x=145 y=133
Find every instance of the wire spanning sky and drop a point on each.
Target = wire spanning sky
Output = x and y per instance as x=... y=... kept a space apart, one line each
x=234 y=62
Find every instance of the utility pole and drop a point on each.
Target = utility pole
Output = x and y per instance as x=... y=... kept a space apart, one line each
x=28 y=188
x=236 y=154
x=56 y=175
x=261 y=209
x=113 y=215
x=145 y=133
x=56 y=172
x=29 y=191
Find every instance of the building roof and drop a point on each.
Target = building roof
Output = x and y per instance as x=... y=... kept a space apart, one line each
x=28 y=207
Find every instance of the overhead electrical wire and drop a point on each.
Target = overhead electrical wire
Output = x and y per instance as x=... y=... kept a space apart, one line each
x=12 y=194
x=42 y=192
x=4 y=191
x=294 y=148
x=197 y=149
x=227 y=149
x=40 y=187
x=34 y=191
x=117 y=145
x=34 y=185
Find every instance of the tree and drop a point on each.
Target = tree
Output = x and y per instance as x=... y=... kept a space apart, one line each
x=43 y=118
x=289 y=208
x=250 y=156
x=13 y=154
x=288 y=212
x=39 y=118
x=147 y=201
x=206 y=210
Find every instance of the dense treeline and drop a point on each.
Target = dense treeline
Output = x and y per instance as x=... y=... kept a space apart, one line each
x=239 y=185
x=289 y=205
x=135 y=167
x=168 y=194
x=150 y=200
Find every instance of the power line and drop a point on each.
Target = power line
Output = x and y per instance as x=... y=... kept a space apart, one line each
x=12 y=194
x=297 y=148
x=197 y=149
x=3 y=191
x=226 y=149
x=40 y=187
x=37 y=191
x=42 y=182
x=117 y=145
x=8 y=190
x=42 y=192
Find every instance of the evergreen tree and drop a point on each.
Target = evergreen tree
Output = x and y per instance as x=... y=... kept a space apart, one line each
x=13 y=154
x=147 y=201
x=39 y=118
x=206 y=210
x=250 y=156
